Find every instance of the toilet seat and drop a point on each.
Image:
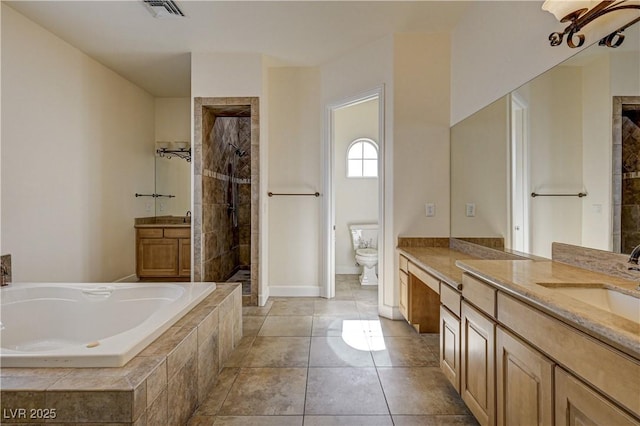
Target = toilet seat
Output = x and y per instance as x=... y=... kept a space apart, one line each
x=367 y=252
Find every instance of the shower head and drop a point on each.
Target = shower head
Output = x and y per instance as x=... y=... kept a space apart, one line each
x=239 y=152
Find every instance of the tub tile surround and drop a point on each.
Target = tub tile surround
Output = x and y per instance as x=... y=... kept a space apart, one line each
x=219 y=248
x=5 y=261
x=164 y=384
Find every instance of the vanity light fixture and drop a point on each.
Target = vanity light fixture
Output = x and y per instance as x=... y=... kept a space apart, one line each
x=579 y=13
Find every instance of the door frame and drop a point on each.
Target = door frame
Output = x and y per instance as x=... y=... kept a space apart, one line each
x=516 y=101
x=328 y=285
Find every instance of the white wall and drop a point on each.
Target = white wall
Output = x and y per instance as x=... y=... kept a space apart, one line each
x=555 y=149
x=173 y=175
x=356 y=199
x=597 y=155
x=499 y=45
x=479 y=172
x=77 y=144
x=294 y=167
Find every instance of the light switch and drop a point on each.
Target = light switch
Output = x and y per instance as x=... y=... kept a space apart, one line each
x=430 y=209
x=147 y=207
x=471 y=209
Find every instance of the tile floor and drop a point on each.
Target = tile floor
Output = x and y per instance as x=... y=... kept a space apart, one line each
x=319 y=362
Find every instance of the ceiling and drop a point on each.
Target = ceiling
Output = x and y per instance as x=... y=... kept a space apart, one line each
x=155 y=53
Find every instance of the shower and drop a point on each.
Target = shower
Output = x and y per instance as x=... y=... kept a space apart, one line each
x=233 y=182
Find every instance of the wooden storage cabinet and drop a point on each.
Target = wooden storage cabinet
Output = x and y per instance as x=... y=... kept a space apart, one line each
x=477 y=386
x=576 y=404
x=163 y=253
x=404 y=295
x=524 y=383
x=450 y=346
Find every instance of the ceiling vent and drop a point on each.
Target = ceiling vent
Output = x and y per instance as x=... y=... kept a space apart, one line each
x=163 y=8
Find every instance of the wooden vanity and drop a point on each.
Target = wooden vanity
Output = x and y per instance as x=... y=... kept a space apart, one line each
x=520 y=353
x=163 y=248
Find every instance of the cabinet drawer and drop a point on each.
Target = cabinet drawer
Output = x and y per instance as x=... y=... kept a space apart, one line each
x=480 y=294
x=450 y=298
x=404 y=264
x=177 y=232
x=432 y=282
x=404 y=295
x=150 y=232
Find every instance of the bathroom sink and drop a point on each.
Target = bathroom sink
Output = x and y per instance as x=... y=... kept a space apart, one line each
x=603 y=297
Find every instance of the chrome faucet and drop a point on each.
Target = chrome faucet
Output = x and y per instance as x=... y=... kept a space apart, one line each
x=187 y=215
x=633 y=258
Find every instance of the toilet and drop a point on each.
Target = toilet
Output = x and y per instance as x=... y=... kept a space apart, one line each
x=364 y=238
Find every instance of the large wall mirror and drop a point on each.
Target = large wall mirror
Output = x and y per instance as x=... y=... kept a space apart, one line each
x=558 y=159
x=172 y=185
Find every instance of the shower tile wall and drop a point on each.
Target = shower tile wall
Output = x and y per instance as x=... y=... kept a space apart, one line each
x=226 y=248
x=630 y=215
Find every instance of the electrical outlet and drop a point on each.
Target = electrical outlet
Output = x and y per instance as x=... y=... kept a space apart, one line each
x=162 y=207
x=430 y=209
x=470 y=209
x=147 y=207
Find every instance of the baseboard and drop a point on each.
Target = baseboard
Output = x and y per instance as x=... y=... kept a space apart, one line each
x=133 y=278
x=263 y=297
x=348 y=270
x=390 y=312
x=294 y=291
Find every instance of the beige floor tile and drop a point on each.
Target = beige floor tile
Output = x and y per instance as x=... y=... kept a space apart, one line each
x=259 y=421
x=331 y=325
x=347 y=351
x=259 y=311
x=343 y=293
x=212 y=403
x=444 y=420
x=402 y=352
x=292 y=307
x=278 y=352
x=335 y=307
x=419 y=391
x=251 y=325
x=201 y=421
x=347 y=421
x=400 y=328
x=366 y=294
x=286 y=326
x=236 y=359
x=266 y=392
x=344 y=391
x=367 y=310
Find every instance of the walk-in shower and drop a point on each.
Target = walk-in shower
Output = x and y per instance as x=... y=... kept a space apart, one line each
x=227 y=248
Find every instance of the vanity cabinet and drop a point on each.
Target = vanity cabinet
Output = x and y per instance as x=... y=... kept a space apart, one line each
x=477 y=387
x=450 y=346
x=524 y=383
x=403 y=305
x=578 y=405
x=163 y=252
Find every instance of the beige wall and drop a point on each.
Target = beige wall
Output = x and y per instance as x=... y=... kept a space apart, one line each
x=495 y=49
x=294 y=167
x=479 y=172
x=173 y=176
x=77 y=144
x=356 y=200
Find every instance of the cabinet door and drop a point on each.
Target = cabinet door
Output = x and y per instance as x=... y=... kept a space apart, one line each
x=157 y=257
x=477 y=384
x=450 y=346
x=184 y=263
x=524 y=383
x=404 y=295
x=579 y=405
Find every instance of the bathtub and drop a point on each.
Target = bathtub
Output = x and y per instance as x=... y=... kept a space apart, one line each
x=88 y=325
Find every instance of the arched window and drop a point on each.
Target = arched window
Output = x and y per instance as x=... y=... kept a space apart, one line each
x=362 y=158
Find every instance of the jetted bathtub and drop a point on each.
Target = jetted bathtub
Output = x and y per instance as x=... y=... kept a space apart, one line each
x=88 y=325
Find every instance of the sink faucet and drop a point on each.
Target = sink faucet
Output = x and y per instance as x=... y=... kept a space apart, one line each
x=187 y=215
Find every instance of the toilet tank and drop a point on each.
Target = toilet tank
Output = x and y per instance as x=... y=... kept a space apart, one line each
x=364 y=235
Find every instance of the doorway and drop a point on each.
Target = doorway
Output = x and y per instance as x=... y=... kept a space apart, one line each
x=226 y=193
x=519 y=234
x=354 y=182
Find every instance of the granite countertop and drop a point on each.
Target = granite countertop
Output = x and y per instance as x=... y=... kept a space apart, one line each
x=163 y=221
x=523 y=279
x=439 y=262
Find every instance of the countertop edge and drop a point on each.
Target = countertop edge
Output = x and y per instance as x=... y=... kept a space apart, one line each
x=451 y=282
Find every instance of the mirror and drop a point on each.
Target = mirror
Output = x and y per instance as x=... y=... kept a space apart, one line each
x=173 y=186
x=520 y=167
